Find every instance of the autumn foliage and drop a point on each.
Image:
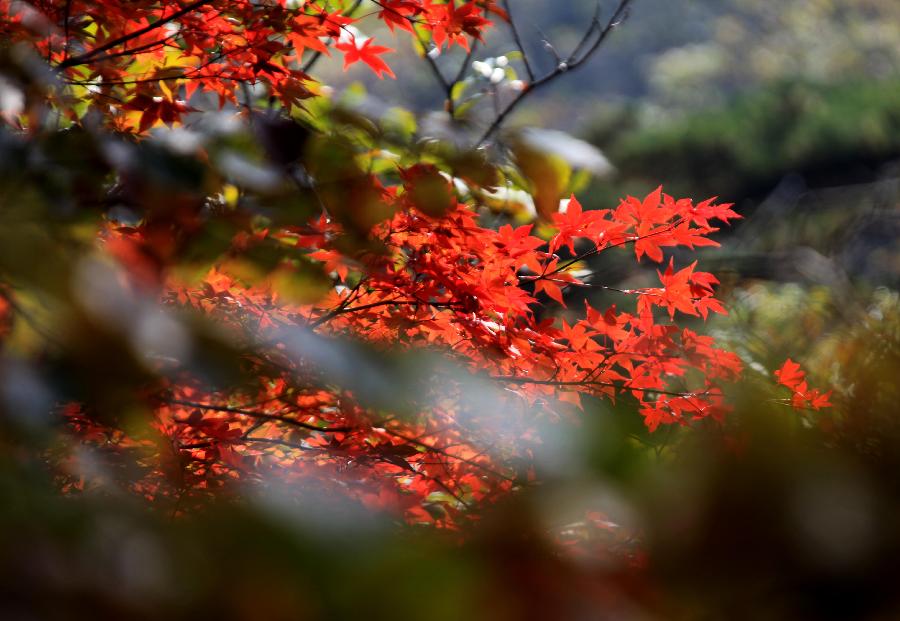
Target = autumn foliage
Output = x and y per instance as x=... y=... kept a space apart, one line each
x=384 y=269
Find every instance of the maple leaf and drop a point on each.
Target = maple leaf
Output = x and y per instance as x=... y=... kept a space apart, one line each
x=790 y=374
x=609 y=323
x=793 y=377
x=520 y=245
x=703 y=212
x=399 y=13
x=655 y=415
x=550 y=288
x=820 y=400
x=451 y=23
x=578 y=335
x=156 y=109
x=490 y=6
x=573 y=222
x=301 y=41
x=367 y=53
x=677 y=294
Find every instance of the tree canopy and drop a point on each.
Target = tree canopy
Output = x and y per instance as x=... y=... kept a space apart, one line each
x=220 y=273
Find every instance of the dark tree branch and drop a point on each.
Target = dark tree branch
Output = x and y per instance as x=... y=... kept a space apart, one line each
x=449 y=455
x=573 y=62
x=451 y=104
x=618 y=16
x=129 y=51
x=465 y=65
x=87 y=57
x=257 y=415
x=595 y=25
x=277 y=442
x=518 y=41
x=595 y=251
x=350 y=309
x=432 y=64
x=512 y=379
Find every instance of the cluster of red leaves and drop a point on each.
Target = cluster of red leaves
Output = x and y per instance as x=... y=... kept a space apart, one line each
x=791 y=376
x=458 y=286
x=312 y=412
x=472 y=295
x=139 y=62
x=448 y=23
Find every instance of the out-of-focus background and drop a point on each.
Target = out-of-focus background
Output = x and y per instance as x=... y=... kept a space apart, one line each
x=791 y=110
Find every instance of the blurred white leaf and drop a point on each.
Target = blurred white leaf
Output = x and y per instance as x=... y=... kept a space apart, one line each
x=577 y=153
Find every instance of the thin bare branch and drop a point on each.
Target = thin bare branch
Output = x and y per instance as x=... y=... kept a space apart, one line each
x=561 y=68
x=512 y=379
x=518 y=40
x=594 y=27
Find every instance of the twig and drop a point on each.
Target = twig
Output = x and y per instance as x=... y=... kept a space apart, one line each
x=565 y=66
x=66 y=16
x=257 y=415
x=451 y=104
x=309 y=64
x=513 y=379
x=595 y=24
x=518 y=41
x=465 y=65
x=595 y=251
x=89 y=56
x=349 y=309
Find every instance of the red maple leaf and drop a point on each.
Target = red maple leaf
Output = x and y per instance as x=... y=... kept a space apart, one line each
x=451 y=23
x=790 y=374
x=399 y=13
x=367 y=53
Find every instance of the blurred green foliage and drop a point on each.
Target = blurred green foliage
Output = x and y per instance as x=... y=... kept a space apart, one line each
x=827 y=133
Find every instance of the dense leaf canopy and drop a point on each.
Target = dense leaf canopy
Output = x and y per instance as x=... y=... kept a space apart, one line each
x=221 y=273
